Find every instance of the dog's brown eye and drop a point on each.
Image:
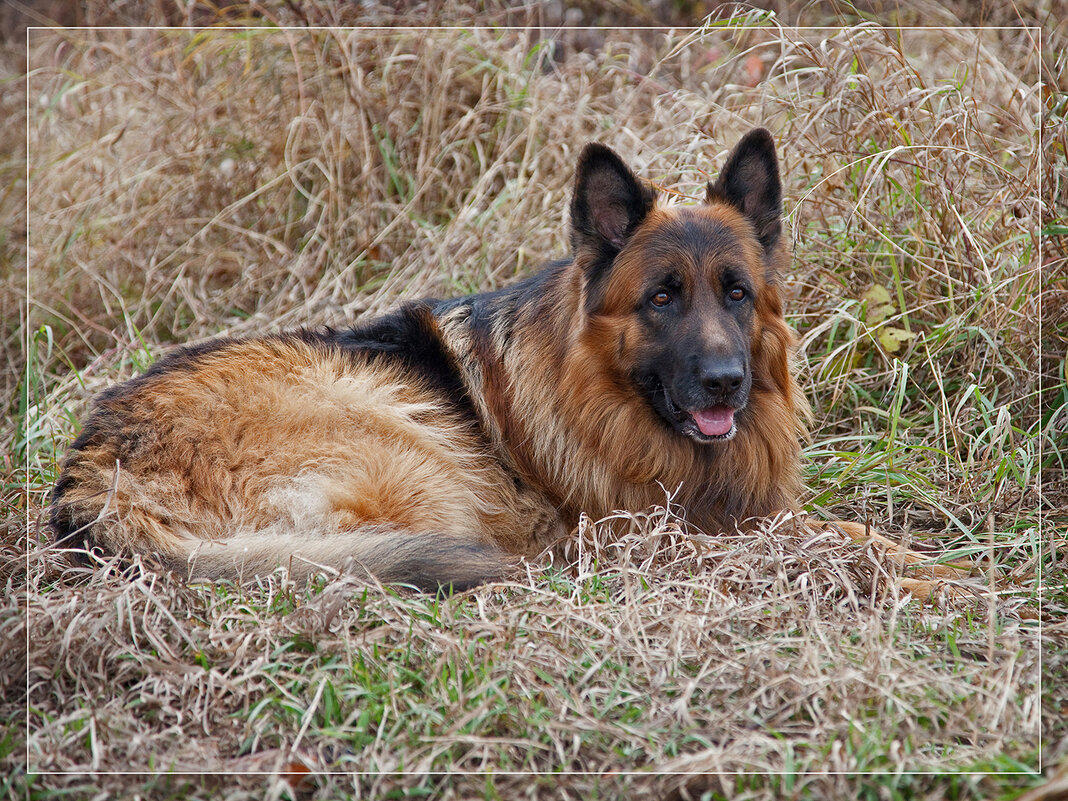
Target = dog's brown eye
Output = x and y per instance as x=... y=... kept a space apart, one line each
x=660 y=298
x=737 y=294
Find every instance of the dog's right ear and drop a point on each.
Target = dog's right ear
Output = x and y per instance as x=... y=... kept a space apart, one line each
x=607 y=205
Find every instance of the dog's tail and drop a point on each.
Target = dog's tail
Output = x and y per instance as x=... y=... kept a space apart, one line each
x=430 y=562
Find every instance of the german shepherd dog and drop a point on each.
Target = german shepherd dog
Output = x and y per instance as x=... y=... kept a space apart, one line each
x=433 y=444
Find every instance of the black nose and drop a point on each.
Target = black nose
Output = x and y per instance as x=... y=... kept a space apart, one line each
x=721 y=376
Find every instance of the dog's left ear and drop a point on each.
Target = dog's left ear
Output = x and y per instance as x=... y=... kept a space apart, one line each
x=750 y=182
x=608 y=203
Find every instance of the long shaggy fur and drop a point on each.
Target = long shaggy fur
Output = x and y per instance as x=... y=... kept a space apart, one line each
x=432 y=444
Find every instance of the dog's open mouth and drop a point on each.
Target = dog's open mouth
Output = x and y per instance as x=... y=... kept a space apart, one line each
x=716 y=423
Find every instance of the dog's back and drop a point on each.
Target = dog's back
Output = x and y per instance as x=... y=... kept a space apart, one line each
x=316 y=448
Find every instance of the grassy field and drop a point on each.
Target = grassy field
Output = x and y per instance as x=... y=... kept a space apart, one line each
x=184 y=184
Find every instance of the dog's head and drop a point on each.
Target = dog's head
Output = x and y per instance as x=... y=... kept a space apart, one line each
x=682 y=301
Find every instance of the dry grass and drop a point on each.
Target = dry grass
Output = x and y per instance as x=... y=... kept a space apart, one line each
x=186 y=184
x=772 y=652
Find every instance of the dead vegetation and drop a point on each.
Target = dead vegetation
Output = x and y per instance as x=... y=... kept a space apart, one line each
x=187 y=183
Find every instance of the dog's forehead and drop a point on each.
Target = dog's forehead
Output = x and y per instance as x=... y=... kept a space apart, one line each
x=707 y=236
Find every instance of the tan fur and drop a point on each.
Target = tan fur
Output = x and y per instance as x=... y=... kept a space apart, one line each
x=300 y=444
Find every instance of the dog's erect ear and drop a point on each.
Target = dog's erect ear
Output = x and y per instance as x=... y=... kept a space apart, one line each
x=750 y=182
x=608 y=202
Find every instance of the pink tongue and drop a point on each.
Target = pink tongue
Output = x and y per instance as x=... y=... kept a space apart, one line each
x=714 y=422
